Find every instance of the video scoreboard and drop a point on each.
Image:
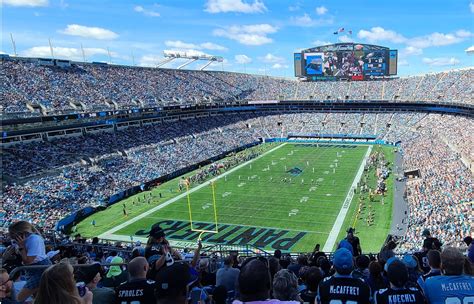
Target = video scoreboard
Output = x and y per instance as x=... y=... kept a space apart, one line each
x=345 y=61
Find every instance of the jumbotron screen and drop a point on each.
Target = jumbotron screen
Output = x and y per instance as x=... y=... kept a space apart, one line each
x=351 y=61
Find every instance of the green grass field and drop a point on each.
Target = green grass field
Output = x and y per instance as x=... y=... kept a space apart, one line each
x=288 y=199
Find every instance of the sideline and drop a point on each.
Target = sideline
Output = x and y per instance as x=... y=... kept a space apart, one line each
x=331 y=240
x=108 y=233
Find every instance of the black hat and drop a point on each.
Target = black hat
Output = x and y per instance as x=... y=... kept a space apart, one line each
x=351 y=230
x=156 y=231
x=397 y=273
x=87 y=273
x=171 y=280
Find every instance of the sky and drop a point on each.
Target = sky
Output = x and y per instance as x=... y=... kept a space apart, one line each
x=253 y=36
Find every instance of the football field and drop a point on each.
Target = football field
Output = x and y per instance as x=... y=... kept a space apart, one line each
x=291 y=197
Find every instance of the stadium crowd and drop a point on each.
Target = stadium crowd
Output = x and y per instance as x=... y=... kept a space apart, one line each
x=53 y=179
x=99 y=87
x=87 y=272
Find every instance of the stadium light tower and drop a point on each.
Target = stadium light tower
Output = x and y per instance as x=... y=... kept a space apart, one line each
x=172 y=55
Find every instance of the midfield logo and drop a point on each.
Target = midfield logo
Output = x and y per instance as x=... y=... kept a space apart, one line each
x=295 y=171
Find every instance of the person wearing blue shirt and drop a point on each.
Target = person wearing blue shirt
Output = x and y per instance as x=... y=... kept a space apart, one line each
x=453 y=286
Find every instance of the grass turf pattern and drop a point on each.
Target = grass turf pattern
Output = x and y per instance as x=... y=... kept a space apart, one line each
x=297 y=189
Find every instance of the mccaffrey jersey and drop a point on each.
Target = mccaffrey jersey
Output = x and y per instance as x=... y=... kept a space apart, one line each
x=139 y=291
x=450 y=289
x=343 y=290
x=399 y=296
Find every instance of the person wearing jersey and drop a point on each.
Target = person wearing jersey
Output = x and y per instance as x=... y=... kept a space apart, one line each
x=342 y=288
x=398 y=293
x=452 y=286
x=137 y=290
x=434 y=260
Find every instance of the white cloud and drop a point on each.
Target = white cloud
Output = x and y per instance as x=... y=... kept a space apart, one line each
x=442 y=61
x=89 y=32
x=146 y=12
x=470 y=50
x=243 y=59
x=320 y=42
x=377 y=34
x=66 y=53
x=293 y=8
x=270 y=58
x=279 y=66
x=150 y=60
x=213 y=46
x=436 y=39
x=321 y=10
x=471 y=6
x=178 y=44
x=345 y=38
x=30 y=3
x=256 y=34
x=306 y=21
x=403 y=62
x=411 y=50
x=236 y=6
x=380 y=34
x=464 y=34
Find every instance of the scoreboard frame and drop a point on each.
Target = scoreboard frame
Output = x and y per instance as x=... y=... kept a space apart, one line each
x=345 y=61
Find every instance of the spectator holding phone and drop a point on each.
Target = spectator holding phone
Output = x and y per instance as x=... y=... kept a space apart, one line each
x=30 y=245
x=57 y=286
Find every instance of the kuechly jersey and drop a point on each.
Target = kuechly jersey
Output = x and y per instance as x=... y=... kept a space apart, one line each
x=399 y=296
x=343 y=290
x=450 y=289
x=136 y=292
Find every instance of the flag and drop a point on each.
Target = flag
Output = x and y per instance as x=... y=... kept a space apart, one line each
x=350 y=32
x=335 y=33
x=340 y=30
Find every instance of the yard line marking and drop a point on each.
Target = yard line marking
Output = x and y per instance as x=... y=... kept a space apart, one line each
x=331 y=240
x=106 y=234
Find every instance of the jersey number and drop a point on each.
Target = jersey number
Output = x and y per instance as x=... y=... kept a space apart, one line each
x=456 y=300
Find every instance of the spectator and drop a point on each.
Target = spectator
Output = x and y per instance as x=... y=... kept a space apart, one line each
x=227 y=276
x=376 y=280
x=414 y=271
x=90 y=276
x=313 y=276
x=171 y=283
x=33 y=253
x=388 y=251
x=354 y=241
x=137 y=289
x=397 y=274
x=6 y=286
x=285 y=286
x=434 y=260
x=453 y=285
x=255 y=283
x=157 y=250
x=301 y=261
x=57 y=286
x=219 y=295
x=342 y=286
x=470 y=248
x=362 y=267
x=115 y=274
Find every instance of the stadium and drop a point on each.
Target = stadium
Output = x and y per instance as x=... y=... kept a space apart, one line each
x=186 y=171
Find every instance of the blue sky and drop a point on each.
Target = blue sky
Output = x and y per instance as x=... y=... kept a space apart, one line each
x=256 y=36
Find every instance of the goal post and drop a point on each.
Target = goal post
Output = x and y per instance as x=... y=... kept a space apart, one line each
x=212 y=185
